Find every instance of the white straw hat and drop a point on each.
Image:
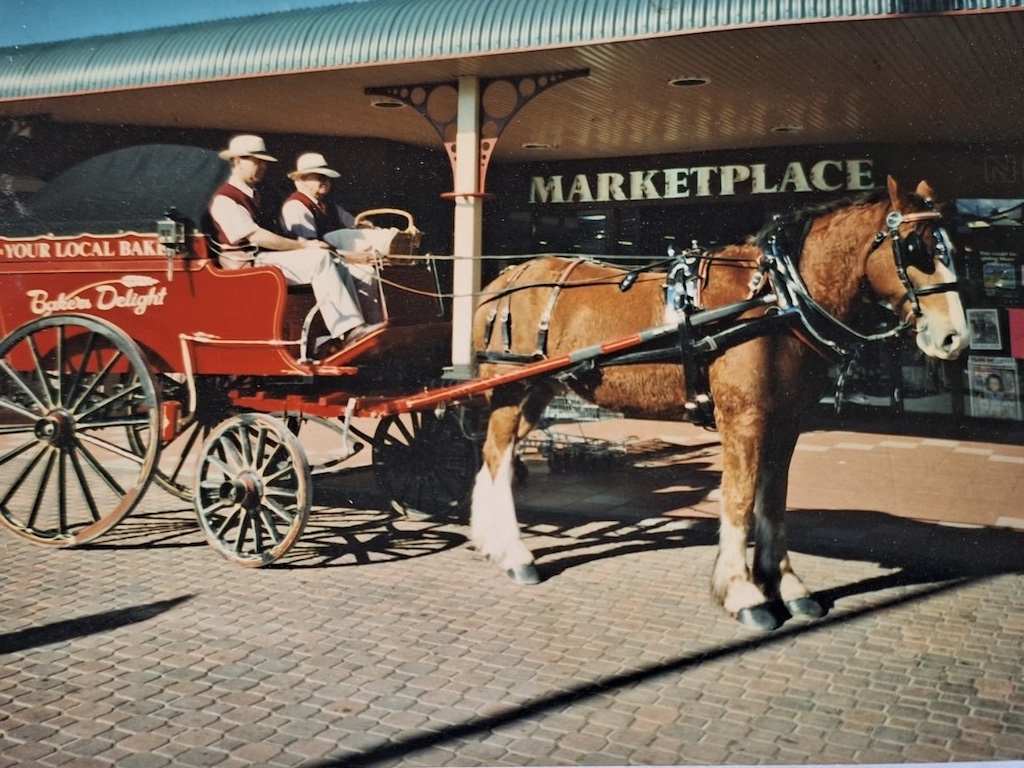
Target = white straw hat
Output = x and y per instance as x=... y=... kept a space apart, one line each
x=312 y=162
x=247 y=145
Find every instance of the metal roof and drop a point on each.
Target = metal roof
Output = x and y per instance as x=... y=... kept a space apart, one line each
x=399 y=31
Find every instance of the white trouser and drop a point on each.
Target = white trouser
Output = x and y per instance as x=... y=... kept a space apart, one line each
x=332 y=284
x=367 y=284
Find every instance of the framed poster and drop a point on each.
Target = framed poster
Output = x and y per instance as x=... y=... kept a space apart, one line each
x=999 y=273
x=985 y=333
x=994 y=388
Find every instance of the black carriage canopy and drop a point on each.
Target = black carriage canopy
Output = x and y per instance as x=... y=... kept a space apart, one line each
x=124 y=190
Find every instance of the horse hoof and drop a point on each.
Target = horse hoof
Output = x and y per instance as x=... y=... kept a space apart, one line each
x=806 y=606
x=758 y=617
x=524 y=574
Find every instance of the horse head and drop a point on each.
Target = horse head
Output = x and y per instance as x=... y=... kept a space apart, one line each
x=911 y=267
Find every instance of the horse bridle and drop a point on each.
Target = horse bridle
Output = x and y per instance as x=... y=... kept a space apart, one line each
x=904 y=249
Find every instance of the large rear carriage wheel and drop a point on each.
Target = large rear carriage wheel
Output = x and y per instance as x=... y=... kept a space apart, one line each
x=426 y=462
x=253 y=489
x=178 y=457
x=71 y=388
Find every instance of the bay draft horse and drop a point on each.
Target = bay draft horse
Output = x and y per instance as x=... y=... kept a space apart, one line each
x=759 y=387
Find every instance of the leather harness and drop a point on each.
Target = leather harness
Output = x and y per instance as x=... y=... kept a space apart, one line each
x=503 y=308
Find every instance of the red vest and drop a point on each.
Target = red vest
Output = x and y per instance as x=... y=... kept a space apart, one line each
x=250 y=204
x=325 y=215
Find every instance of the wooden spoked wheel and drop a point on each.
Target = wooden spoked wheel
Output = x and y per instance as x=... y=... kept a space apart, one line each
x=178 y=457
x=426 y=462
x=253 y=489
x=71 y=388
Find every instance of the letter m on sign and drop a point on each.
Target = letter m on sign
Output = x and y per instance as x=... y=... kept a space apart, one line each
x=544 y=190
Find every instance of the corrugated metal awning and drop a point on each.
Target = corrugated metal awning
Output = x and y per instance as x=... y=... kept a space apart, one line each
x=398 y=31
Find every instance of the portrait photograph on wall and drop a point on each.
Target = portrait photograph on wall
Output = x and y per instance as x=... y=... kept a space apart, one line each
x=985 y=332
x=994 y=388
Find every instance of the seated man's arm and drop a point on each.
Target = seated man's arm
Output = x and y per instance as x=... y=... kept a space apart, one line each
x=271 y=241
x=237 y=225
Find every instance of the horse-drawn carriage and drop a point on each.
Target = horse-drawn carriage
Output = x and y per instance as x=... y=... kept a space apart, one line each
x=128 y=355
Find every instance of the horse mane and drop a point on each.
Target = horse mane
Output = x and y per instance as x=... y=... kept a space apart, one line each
x=791 y=228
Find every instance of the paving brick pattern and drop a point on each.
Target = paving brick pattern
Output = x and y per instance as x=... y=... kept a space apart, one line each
x=383 y=641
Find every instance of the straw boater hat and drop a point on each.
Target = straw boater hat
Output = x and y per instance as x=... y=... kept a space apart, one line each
x=247 y=146
x=312 y=162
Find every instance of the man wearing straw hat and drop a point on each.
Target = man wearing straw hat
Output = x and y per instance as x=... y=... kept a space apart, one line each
x=309 y=213
x=245 y=235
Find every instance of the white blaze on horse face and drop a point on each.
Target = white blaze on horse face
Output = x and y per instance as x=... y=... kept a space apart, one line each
x=493 y=526
x=943 y=334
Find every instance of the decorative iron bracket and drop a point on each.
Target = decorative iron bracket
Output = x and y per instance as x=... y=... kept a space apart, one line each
x=498 y=106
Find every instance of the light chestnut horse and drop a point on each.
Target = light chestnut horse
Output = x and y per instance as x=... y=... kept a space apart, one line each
x=759 y=387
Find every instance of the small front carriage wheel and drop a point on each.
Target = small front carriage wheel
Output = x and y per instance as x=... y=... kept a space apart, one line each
x=70 y=387
x=252 y=489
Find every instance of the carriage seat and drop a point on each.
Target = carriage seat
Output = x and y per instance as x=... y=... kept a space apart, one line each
x=299 y=303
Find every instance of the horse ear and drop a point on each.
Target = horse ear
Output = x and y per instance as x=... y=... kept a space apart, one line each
x=894 y=192
x=925 y=191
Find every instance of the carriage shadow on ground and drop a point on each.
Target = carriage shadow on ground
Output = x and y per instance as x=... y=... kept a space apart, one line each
x=656 y=496
x=92 y=624
x=170 y=527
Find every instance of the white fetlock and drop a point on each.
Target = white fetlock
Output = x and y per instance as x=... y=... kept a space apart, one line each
x=494 y=528
x=740 y=595
x=791 y=588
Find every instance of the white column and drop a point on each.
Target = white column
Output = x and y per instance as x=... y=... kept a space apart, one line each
x=468 y=226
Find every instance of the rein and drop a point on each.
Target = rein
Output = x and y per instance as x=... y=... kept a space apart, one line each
x=776 y=287
x=830 y=335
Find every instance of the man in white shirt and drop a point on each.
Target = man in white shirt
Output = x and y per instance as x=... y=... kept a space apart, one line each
x=244 y=234
x=309 y=213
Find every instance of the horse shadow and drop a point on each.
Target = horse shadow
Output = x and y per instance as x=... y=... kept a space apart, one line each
x=352 y=526
x=913 y=552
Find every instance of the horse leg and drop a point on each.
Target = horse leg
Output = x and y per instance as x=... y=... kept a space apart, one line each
x=732 y=584
x=494 y=527
x=772 y=568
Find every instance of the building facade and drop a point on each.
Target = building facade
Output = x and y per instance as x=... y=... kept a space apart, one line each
x=616 y=129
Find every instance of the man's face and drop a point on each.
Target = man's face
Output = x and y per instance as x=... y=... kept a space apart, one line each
x=313 y=185
x=250 y=169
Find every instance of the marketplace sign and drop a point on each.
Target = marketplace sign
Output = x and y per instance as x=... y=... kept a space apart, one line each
x=711 y=181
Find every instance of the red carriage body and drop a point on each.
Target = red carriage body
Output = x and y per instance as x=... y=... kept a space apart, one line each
x=121 y=339
x=187 y=313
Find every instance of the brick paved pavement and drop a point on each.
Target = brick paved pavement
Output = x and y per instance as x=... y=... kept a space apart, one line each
x=382 y=641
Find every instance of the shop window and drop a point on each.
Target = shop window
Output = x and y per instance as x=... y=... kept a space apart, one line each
x=990 y=234
x=991 y=239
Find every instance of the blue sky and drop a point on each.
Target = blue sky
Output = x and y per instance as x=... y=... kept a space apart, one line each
x=23 y=22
